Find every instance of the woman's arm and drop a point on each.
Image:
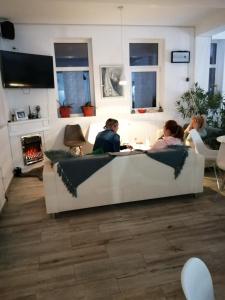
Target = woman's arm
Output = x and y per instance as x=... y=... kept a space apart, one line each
x=116 y=143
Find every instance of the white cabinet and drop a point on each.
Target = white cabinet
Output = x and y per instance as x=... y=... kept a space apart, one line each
x=2 y=191
x=6 y=166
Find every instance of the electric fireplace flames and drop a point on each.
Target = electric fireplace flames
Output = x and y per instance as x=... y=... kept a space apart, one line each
x=32 y=149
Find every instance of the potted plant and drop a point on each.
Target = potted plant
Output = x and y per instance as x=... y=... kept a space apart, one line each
x=192 y=102
x=88 y=109
x=196 y=101
x=64 y=109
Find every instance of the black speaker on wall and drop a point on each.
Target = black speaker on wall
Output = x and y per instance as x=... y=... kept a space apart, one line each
x=7 y=30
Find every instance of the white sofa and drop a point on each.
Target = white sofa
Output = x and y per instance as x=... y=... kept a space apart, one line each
x=124 y=179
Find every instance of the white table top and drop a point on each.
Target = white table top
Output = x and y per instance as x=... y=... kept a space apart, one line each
x=221 y=139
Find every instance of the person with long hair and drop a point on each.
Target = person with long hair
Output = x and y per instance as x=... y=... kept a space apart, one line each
x=172 y=135
x=108 y=140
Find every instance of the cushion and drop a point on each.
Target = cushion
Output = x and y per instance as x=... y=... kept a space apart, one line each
x=56 y=155
x=212 y=134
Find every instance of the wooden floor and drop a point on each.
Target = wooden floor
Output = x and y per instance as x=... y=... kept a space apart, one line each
x=132 y=251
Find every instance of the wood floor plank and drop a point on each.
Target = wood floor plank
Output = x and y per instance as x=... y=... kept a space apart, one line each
x=133 y=251
x=73 y=256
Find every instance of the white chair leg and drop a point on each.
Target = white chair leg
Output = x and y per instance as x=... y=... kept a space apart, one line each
x=220 y=181
x=217 y=177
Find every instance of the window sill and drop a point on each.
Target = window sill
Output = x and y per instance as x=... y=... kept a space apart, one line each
x=138 y=111
x=77 y=116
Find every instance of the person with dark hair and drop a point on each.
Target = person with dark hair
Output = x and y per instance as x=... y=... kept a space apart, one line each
x=172 y=135
x=108 y=140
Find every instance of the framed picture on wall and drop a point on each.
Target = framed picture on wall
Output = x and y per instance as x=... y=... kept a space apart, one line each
x=180 y=56
x=21 y=115
x=110 y=78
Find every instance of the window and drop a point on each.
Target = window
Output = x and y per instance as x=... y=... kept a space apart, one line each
x=213 y=51
x=144 y=65
x=212 y=74
x=73 y=74
x=212 y=68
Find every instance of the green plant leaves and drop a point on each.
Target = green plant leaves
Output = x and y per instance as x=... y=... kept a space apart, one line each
x=196 y=101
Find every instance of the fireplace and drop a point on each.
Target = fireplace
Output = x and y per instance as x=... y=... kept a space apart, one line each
x=32 y=149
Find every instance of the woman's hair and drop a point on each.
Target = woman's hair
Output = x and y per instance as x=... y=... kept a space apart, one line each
x=175 y=129
x=200 y=120
x=110 y=123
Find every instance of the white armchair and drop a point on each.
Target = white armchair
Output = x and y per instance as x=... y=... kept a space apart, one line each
x=196 y=280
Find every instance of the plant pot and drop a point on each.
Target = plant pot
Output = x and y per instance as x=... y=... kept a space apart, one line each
x=65 y=111
x=88 y=111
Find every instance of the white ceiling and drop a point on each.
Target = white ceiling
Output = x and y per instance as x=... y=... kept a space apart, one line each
x=135 y=12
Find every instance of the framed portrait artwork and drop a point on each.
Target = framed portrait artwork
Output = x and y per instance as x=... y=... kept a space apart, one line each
x=110 y=78
x=21 y=115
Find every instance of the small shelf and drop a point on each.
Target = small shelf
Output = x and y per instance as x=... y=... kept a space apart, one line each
x=27 y=121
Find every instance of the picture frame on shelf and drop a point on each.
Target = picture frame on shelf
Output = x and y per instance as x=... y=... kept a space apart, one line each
x=21 y=115
x=110 y=78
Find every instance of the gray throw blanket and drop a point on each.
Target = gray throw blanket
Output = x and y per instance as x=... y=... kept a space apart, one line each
x=77 y=170
x=173 y=156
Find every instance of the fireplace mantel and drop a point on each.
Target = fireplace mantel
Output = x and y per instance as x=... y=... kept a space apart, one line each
x=28 y=126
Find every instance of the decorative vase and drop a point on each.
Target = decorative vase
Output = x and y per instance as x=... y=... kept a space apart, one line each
x=88 y=111
x=65 y=111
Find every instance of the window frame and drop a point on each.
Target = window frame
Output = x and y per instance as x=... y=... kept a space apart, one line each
x=213 y=66
x=77 y=69
x=149 y=68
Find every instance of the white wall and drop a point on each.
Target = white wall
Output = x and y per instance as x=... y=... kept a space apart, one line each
x=6 y=164
x=219 y=36
x=202 y=63
x=202 y=55
x=105 y=40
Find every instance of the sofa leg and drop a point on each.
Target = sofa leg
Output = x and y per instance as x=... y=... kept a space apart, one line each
x=196 y=195
x=53 y=216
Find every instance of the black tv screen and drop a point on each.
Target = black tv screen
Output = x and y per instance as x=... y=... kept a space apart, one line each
x=22 y=70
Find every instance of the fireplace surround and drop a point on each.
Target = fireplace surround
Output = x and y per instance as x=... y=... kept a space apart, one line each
x=32 y=149
x=22 y=135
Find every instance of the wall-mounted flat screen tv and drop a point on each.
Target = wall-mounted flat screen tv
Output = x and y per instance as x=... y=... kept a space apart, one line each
x=22 y=70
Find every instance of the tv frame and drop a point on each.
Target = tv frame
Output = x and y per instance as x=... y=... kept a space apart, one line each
x=13 y=85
